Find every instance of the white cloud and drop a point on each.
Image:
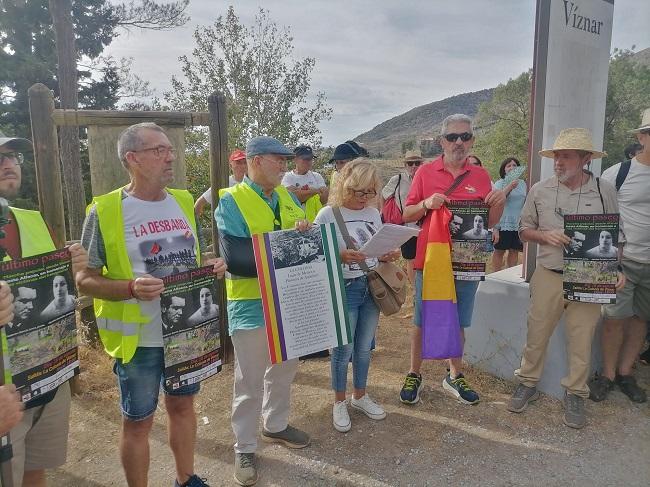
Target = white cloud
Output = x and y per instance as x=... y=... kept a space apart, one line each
x=377 y=59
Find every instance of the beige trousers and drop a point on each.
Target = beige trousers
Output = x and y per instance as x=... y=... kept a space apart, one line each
x=547 y=304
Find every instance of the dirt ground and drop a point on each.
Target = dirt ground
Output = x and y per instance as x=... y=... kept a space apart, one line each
x=437 y=442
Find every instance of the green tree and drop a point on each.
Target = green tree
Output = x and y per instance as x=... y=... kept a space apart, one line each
x=502 y=123
x=628 y=94
x=266 y=89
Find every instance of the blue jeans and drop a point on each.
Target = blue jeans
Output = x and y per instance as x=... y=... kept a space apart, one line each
x=140 y=380
x=364 y=317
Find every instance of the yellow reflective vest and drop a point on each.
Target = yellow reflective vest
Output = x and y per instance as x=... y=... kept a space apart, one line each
x=260 y=219
x=35 y=239
x=119 y=322
x=312 y=207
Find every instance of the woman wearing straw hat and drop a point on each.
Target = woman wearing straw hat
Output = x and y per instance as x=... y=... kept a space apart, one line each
x=571 y=190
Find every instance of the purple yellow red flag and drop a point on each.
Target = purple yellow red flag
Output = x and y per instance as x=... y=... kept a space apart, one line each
x=439 y=318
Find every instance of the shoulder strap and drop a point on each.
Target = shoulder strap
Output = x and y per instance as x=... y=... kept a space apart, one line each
x=623 y=169
x=398 y=192
x=456 y=182
x=600 y=194
x=349 y=243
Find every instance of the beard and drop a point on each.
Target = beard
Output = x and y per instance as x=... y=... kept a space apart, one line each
x=456 y=154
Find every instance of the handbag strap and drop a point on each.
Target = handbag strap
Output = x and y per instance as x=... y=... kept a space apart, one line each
x=456 y=182
x=349 y=243
x=398 y=192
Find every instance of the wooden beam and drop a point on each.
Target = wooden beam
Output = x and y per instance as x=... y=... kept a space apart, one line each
x=125 y=118
x=219 y=179
x=46 y=158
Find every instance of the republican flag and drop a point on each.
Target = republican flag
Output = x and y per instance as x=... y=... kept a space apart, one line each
x=439 y=319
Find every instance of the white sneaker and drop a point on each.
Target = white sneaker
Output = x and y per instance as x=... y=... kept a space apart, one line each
x=369 y=407
x=340 y=417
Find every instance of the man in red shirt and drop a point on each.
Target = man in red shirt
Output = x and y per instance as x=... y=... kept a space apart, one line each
x=427 y=193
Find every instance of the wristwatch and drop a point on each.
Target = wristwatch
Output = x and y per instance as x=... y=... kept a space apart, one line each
x=424 y=206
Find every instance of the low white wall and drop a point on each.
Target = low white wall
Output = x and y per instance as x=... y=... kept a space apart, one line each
x=497 y=336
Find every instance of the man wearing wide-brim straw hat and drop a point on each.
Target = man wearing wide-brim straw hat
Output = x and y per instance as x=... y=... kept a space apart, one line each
x=624 y=324
x=571 y=190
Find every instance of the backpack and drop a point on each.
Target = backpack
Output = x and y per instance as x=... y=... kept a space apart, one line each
x=391 y=212
x=622 y=173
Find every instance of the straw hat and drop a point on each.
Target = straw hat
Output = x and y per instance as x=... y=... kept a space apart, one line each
x=413 y=155
x=645 y=122
x=573 y=139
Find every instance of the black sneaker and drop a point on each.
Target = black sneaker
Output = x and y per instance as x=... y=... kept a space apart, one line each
x=193 y=481
x=460 y=389
x=410 y=393
x=627 y=385
x=644 y=358
x=599 y=388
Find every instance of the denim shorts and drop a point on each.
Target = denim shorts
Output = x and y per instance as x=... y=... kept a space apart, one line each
x=465 y=294
x=140 y=381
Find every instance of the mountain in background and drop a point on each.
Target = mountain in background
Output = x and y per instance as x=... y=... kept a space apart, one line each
x=423 y=122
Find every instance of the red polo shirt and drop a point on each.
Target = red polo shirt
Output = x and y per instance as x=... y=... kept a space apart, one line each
x=434 y=178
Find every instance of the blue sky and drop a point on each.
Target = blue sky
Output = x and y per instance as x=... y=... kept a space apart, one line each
x=376 y=59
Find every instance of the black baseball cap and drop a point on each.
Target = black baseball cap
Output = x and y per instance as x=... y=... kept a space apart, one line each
x=304 y=152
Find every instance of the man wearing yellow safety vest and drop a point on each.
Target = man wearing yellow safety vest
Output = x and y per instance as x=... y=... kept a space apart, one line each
x=40 y=439
x=135 y=236
x=308 y=186
x=256 y=205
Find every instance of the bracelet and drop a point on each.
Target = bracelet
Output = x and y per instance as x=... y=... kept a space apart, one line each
x=424 y=206
x=130 y=288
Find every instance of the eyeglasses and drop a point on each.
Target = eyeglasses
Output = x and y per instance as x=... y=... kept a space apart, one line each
x=413 y=163
x=465 y=136
x=160 y=151
x=15 y=157
x=364 y=194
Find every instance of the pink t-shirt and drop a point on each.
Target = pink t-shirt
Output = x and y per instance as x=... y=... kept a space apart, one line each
x=434 y=178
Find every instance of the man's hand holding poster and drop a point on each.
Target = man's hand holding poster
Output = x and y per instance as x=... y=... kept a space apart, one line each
x=471 y=240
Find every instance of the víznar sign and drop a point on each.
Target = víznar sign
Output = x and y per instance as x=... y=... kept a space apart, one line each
x=572 y=18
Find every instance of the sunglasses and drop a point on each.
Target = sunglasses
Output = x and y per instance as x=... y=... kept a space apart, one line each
x=413 y=163
x=465 y=136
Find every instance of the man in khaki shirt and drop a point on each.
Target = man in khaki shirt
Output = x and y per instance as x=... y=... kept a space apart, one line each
x=572 y=190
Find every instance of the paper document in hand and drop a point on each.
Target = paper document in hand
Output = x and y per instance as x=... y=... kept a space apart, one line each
x=389 y=237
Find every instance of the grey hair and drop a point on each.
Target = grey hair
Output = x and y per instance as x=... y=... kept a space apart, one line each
x=129 y=140
x=456 y=117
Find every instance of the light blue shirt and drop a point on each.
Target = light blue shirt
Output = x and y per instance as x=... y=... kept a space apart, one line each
x=243 y=314
x=514 y=203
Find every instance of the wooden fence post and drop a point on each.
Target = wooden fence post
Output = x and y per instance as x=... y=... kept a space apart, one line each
x=46 y=158
x=219 y=179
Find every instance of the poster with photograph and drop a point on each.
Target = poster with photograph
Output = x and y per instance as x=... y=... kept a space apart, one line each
x=471 y=241
x=303 y=295
x=190 y=323
x=42 y=337
x=590 y=259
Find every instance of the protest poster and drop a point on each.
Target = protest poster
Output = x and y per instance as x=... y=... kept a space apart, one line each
x=471 y=242
x=590 y=259
x=190 y=325
x=303 y=295
x=42 y=337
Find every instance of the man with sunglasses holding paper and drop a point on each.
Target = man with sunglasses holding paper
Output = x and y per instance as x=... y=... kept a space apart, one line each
x=427 y=193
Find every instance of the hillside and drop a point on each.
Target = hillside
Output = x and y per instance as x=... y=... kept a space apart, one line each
x=422 y=122
x=419 y=123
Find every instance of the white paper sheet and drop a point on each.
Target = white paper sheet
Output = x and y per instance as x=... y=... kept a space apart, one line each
x=389 y=237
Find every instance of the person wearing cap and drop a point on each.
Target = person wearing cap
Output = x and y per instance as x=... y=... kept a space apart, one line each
x=40 y=439
x=624 y=324
x=398 y=186
x=136 y=235
x=256 y=205
x=571 y=190
x=427 y=192
x=343 y=153
x=308 y=186
x=237 y=161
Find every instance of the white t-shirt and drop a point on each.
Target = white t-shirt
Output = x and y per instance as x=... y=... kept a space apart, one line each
x=160 y=242
x=634 y=205
x=361 y=225
x=207 y=196
x=310 y=178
